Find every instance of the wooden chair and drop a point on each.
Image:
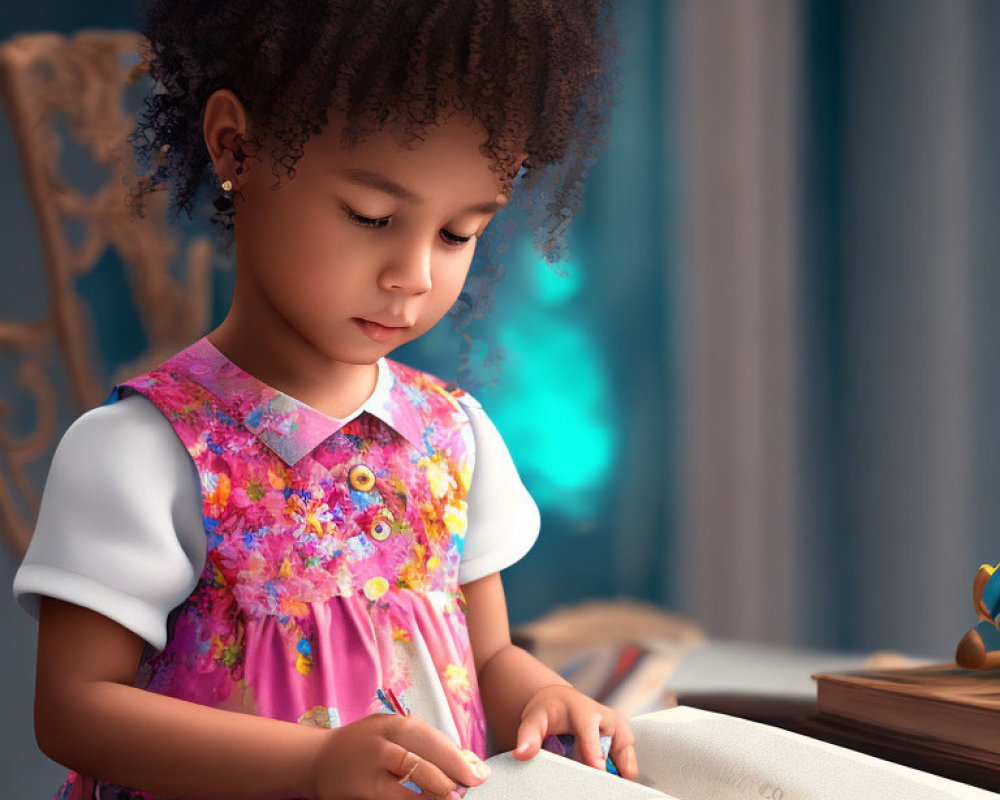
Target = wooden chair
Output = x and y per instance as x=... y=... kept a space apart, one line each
x=69 y=93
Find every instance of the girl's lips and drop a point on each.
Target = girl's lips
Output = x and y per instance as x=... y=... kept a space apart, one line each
x=376 y=332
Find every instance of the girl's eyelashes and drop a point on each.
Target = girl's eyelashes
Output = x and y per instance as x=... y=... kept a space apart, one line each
x=367 y=222
x=380 y=222
x=455 y=241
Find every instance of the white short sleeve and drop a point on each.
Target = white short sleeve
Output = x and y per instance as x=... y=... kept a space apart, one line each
x=119 y=529
x=503 y=519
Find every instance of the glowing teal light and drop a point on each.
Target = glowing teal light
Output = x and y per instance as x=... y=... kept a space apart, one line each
x=555 y=418
x=550 y=288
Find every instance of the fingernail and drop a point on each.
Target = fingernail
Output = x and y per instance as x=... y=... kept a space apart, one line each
x=477 y=764
x=454 y=795
x=522 y=748
x=481 y=770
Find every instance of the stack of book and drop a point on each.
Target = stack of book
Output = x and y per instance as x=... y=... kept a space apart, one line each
x=939 y=717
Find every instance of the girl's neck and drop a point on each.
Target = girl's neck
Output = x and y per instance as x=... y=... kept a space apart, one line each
x=285 y=360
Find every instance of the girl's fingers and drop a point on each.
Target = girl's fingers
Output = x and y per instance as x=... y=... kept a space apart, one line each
x=530 y=733
x=440 y=765
x=587 y=747
x=387 y=787
x=622 y=751
x=404 y=765
x=623 y=757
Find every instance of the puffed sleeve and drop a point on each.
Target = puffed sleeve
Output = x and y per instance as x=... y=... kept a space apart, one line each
x=503 y=519
x=119 y=528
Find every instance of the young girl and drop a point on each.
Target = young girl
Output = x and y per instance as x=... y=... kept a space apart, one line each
x=269 y=567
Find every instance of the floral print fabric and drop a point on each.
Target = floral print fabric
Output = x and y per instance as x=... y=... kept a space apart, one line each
x=331 y=569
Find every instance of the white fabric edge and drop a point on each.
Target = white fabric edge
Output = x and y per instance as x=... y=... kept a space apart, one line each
x=468 y=400
x=510 y=552
x=495 y=528
x=33 y=580
x=383 y=382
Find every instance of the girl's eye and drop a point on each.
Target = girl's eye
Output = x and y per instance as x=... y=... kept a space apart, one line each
x=367 y=222
x=453 y=240
x=381 y=222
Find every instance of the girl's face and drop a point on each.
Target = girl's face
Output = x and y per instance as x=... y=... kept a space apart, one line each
x=364 y=249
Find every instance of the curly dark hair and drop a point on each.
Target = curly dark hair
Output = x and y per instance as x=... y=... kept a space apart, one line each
x=539 y=75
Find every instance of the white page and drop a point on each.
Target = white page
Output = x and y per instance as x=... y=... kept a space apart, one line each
x=551 y=777
x=700 y=755
x=689 y=754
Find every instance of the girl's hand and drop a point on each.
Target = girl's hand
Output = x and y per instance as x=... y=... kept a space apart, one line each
x=366 y=760
x=562 y=709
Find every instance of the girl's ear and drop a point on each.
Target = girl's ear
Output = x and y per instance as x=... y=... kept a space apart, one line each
x=225 y=124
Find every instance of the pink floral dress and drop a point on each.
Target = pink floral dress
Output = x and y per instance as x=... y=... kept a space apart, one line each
x=331 y=570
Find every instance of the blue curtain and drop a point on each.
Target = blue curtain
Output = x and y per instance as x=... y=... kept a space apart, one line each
x=900 y=169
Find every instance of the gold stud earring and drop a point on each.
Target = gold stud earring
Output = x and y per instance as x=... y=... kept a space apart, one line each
x=227 y=186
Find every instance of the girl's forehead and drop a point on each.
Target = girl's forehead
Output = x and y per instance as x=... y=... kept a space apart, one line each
x=448 y=155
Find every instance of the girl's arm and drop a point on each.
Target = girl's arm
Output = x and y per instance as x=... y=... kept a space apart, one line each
x=524 y=700
x=508 y=675
x=90 y=718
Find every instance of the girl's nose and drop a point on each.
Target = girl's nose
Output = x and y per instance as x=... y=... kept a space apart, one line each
x=409 y=271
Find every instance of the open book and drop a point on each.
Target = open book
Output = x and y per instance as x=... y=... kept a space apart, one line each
x=689 y=754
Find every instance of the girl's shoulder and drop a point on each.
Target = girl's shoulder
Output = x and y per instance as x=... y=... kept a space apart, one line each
x=119 y=527
x=425 y=382
x=130 y=423
x=125 y=445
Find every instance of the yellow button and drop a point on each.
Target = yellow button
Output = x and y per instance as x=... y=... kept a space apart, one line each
x=361 y=478
x=376 y=587
x=381 y=528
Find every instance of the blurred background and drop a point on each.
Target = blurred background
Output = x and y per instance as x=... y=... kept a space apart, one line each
x=762 y=397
